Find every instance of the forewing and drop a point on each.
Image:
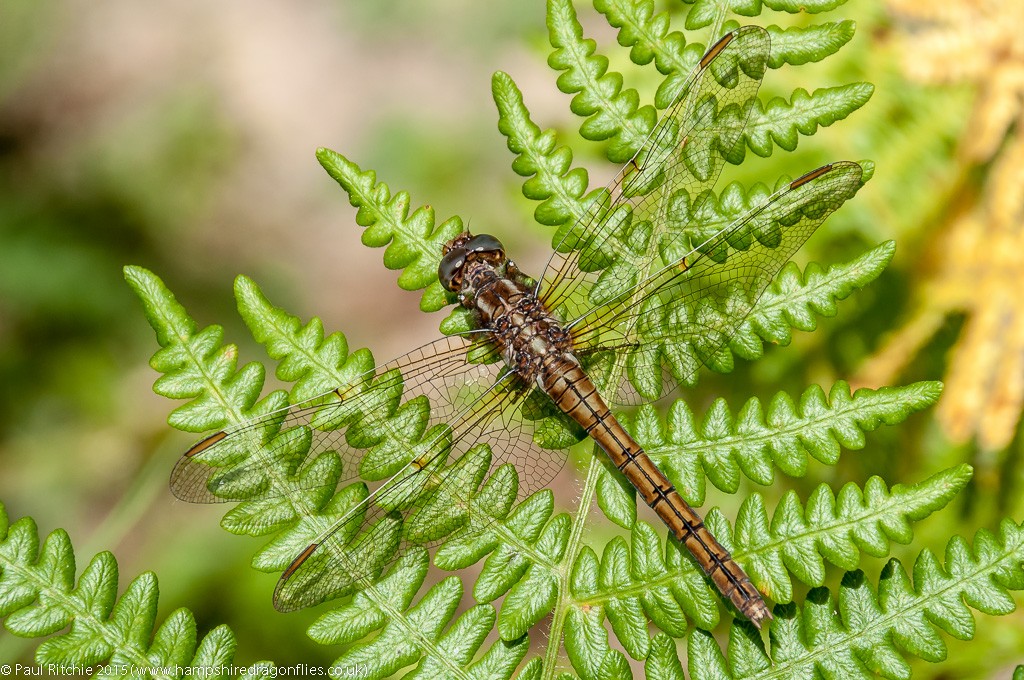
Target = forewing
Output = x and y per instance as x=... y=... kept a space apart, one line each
x=356 y=430
x=601 y=255
x=420 y=435
x=683 y=315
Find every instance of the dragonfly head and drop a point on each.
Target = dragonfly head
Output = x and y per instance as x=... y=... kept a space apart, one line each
x=462 y=250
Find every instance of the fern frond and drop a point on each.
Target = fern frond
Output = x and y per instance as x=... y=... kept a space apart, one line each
x=300 y=511
x=415 y=241
x=39 y=598
x=806 y=44
x=427 y=634
x=614 y=113
x=317 y=365
x=782 y=122
x=865 y=631
x=793 y=300
x=642 y=582
x=713 y=12
x=756 y=442
x=548 y=167
x=197 y=366
x=673 y=343
x=610 y=112
x=648 y=37
x=837 y=528
x=523 y=555
x=314 y=364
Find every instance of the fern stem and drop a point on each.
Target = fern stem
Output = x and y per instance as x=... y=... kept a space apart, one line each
x=572 y=551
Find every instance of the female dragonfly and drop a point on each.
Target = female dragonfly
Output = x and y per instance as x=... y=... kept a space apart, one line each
x=644 y=288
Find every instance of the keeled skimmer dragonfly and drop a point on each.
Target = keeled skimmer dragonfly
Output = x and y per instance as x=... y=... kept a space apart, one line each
x=647 y=286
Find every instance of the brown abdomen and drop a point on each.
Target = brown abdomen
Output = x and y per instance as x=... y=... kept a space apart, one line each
x=572 y=390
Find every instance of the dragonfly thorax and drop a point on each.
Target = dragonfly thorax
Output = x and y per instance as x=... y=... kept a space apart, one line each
x=504 y=302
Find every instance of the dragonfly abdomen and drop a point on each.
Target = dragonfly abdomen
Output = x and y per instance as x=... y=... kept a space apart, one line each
x=574 y=393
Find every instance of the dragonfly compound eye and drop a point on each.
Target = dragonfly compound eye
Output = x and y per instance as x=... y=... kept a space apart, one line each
x=484 y=243
x=450 y=270
x=485 y=247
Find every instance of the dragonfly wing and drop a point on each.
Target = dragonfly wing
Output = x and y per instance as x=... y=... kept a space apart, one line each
x=461 y=480
x=602 y=253
x=418 y=436
x=322 y=442
x=683 y=315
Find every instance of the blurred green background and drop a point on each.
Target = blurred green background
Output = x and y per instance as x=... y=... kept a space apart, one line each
x=180 y=137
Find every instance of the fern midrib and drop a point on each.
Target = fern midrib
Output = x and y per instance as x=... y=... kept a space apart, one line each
x=884 y=623
x=563 y=572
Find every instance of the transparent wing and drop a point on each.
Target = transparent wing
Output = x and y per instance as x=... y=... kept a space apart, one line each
x=683 y=315
x=685 y=152
x=321 y=442
x=436 y=494
x=421 y=433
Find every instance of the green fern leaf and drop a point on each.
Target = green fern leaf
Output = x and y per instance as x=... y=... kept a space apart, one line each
x=782 y=122
x=836 y=528
x=318 y=365
x=297 y=512
x=648 y=36
x=532 y=598
x=616 y=114
x=414 y=634
x=200 y=368
x=708 y=12
x=315 y=364
x=754 y=443
x=705 y=13
x=415 y=241
x=864 y=632
x=586 y=644
x=552 y=180
x=805 y=44
x=39 y=597
x=643 y=582
x=798 y=6
x=523 y=553
x=794 y=299
x=196 y=365
x=610 y=112
x=668 y=331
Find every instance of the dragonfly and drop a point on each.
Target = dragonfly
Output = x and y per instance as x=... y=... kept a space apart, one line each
x=648 y=285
